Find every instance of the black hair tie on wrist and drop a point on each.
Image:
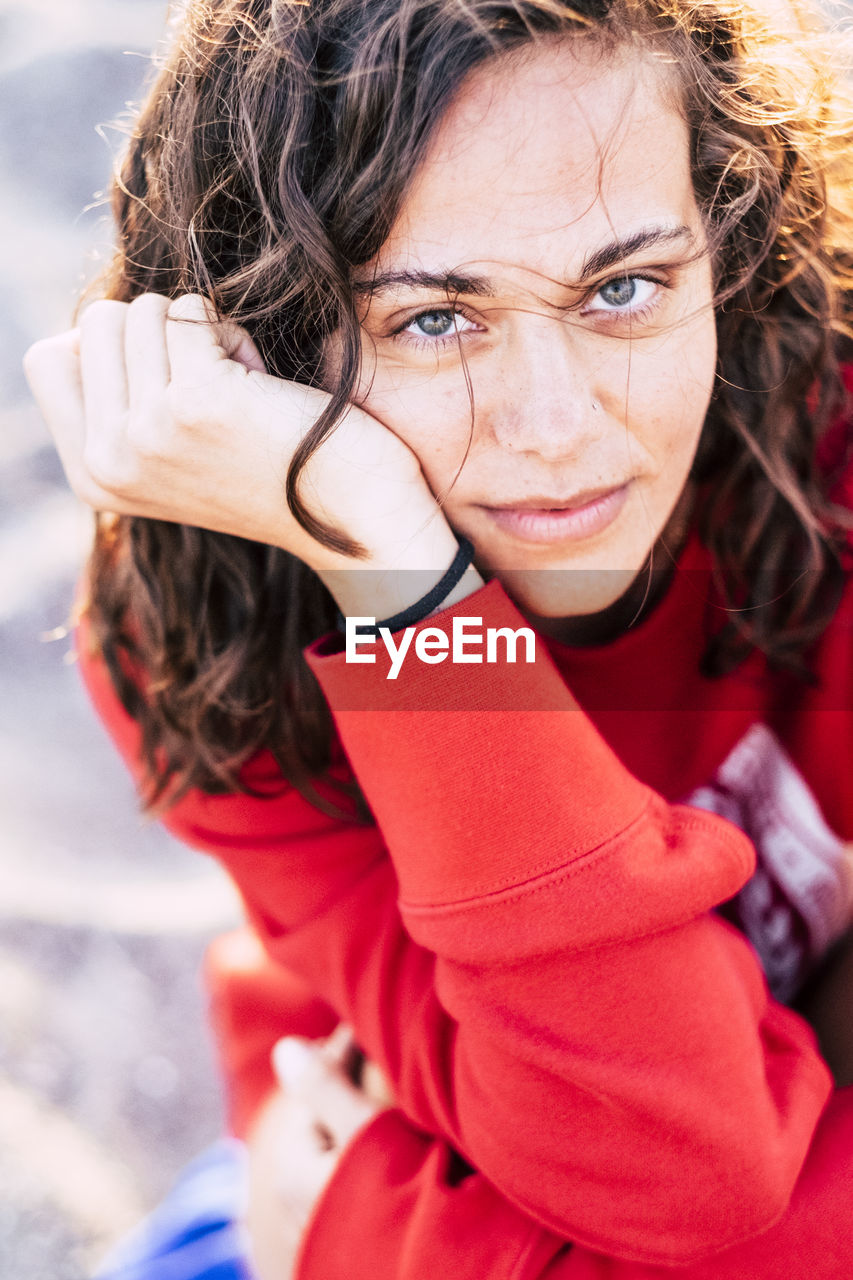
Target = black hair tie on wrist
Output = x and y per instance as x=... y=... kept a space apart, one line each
x=429 y=603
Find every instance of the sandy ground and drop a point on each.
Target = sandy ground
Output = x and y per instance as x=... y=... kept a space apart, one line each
x=107 y=1084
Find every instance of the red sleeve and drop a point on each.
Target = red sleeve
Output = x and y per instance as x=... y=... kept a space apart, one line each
x=415 y=1218
x=559 y=1005
x=595 y=1011
x=253 y=1003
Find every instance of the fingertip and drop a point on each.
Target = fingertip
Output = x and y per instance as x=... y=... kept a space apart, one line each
x=102 y=310
x=192 y=306
x=43 y=354
x=156 y=302
x=292 y=1060
x=31 y=356
x=338 y=1046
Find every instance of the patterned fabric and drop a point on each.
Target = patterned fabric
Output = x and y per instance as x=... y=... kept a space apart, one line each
x=797 y=904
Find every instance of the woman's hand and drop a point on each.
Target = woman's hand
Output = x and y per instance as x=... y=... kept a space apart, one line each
x=159 y=411
x=296 y=1143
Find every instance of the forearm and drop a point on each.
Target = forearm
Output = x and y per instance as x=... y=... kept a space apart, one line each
x=583 y=982
x=396 y=1209
x=563 y=1118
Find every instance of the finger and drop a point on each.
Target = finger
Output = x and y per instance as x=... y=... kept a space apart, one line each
x=195 y=334
x=376 y=1087
x=336 y=1108
x=343 y=1052
x=293 y=1059
x=339 y=1108
x=145 y=350
x=337 y=1048
x=240 y=347
x=102 y=366
x=52 y=369
x=340 y=1052
x=286 y=1173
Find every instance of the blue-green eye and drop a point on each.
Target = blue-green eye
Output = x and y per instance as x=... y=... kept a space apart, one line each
x=625 y=293
x=433 y=324
x=618 y=293
x=436 y=328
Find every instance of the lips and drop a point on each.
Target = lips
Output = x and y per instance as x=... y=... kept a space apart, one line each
x=539 y=503
x=547 y=519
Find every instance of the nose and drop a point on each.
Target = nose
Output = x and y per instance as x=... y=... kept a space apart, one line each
x=547 y=397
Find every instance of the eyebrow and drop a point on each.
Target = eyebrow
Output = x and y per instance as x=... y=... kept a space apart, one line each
x=446 y=281
x=619 y=250
x=453 y=283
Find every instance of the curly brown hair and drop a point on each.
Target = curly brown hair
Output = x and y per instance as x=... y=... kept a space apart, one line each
x=271 y=158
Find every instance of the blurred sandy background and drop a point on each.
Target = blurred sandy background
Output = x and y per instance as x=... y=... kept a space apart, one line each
x=107 y=1084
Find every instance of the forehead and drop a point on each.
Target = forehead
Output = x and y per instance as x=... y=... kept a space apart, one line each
x=548 y=153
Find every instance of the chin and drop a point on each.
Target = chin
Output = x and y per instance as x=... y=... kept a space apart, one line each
x=566 y=593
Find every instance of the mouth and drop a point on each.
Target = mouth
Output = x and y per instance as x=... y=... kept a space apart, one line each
x=548 y=520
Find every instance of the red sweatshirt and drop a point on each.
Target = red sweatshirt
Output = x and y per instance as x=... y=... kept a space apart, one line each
x=526 y=943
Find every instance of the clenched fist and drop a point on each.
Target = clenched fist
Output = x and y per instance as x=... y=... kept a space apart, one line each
x=160 y=410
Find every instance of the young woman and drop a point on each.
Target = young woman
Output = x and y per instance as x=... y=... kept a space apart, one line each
x=556 y=297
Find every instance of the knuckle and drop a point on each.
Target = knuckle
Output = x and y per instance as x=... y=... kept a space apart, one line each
x=42 y=354
x=189 y=402
x=34 y=363
x=153 y=302
x=87 y=490
x=106 y=468
x=102 y=312
x=191 y=306
x=35 y=354
x=145 y=439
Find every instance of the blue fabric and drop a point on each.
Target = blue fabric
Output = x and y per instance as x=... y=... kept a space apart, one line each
x=196 y=1233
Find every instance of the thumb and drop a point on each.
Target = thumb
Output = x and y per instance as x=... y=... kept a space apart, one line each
x=294 y=1061
x=240 y=347
x=194 y=323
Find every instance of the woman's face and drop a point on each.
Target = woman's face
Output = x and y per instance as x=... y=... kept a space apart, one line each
x=549 y=267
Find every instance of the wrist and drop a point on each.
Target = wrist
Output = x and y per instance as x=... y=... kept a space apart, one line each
x=386 y=589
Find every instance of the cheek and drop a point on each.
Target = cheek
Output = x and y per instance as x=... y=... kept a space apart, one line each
x=430 y=411
x=676 y=389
